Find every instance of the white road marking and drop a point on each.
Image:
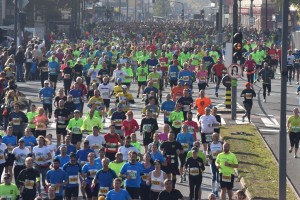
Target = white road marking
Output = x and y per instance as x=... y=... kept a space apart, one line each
x=269 y=130
x=270 y=122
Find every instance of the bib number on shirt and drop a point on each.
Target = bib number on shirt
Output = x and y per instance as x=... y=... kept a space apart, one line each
x=28 y=184
x=208 y=137
x=194 y=171
x=103 y=190
x=132 y=174
x=226 y=179
x=73 y=179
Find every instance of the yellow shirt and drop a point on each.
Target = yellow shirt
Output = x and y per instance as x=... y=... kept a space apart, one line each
x=294 y=124
x=117 y=89
x=230 y=158
x=89 y=123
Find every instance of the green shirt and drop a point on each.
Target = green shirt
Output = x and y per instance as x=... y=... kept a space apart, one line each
x=200 y=155
x=214 y=55
x=31 y=116
x=141 y=73
x=143 y=58
x=75 y=125
x=230 y=158
x=294 y=124
x=129 y=73
x=137 y=145
x=9 y=191
x=184 y=57
x=89 y=123
x=155 y=78
x=176 y=118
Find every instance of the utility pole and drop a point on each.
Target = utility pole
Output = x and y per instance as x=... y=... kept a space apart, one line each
x=220 y=27
x=267 y=14
x=16 y=9
x=120 y=13
x=135 y=10
x=282 y=137
x=127 y=4
x=234 y=81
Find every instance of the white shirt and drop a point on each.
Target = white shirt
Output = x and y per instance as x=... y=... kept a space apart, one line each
x=2 y=150
x=290 y=59
x=17 y=151
x=206 y=123
x=96 y=142
x=40 y=153
x=124 y=150
x=52 y=147
x=119 y=74
x=93 y=74
x=105 y=90
x=215 y=149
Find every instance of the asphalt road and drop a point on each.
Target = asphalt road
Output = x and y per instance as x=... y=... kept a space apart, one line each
x=31 y=89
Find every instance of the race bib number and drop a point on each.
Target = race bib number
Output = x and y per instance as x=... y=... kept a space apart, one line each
x=73 y=179
x=47 y=100
x=76 y=130
x=95 y=147
x=155 y=182
x=191 y=129
x=92 y=172
x=103 y=190
x=67 y=76
x=226 y=178
x=145 y=177
x=118 y=122
x=16 y=121
x=194 y=171
x=132 y=174
x=208 y=137
x=167 y=114
x=76 y=100
x=60 y=120
x=1 y=157
x=28 y=184
x=40 y=126
x=173 y=74
x=295 y=129
x=186 y=108
x=185 y=78
x=147 y=128
x=248 y=95
x=214 y=154
x=177 y=123
x=185 y=146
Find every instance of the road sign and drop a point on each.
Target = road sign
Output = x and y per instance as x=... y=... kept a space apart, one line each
x=234 y=71
x=252 y=20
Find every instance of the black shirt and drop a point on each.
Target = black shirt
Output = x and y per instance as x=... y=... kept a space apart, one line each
x=68 y=70
x=28 y=174
x=173 y=195
x=64 y=112
x=78 y=70
x=195 y=163
x=170 y=151
x=70 y=106
x=57 y=99
x=148 y=126
x=186 y=103
x=248 y=95
x=218 y=118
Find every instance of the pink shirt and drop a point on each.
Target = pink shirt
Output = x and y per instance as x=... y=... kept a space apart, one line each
x=201 y=76
x=163 y=137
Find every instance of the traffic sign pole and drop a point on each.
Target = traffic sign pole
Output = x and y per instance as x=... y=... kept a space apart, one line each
x=233 y=98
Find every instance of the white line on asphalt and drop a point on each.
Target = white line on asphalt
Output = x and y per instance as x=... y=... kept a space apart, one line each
x=269 y=130
x=223 y=121
x=270 y=123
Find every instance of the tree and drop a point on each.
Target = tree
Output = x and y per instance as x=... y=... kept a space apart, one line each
x=161 y=8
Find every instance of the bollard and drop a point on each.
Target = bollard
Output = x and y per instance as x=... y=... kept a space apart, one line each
x=228 y=98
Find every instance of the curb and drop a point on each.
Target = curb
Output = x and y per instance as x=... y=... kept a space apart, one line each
x=228 y=111
x=274 y=157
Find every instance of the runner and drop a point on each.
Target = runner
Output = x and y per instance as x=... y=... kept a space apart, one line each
x=248 y=95
x=225 y=163
x=266 y=75
x=46 y=95
x=293 y=125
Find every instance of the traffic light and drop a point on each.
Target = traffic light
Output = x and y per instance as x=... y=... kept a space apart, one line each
x=237 y=47
x=202 y=14
x=182 y=14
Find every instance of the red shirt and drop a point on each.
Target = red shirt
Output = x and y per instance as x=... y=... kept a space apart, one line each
x=192 y=127
x=113 y=139
x=272 y=53
x=250 y=65
x=81 y=87
x=130 y=126
x=164 y=63
x=218 y=68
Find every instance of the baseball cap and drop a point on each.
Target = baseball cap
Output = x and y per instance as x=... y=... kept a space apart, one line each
x=78 y=59
x=119 y=79
x=76 y=111
x=46 y=82
x=194 y=149
x=21 y=140
x=113 y=47
x=120 y=105
x=124 y=86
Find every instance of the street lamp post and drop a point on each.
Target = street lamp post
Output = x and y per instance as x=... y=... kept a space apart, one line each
x=220 y=27
x=266 y=14
x=240 y=15
x=16 y=9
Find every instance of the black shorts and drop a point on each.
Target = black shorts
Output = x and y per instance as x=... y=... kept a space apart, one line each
x=61 y=131
x=91 y=192
x=182 y=158
x=173 y=82
x=206 y=138
x=296 y=65
x=40 y=132
x=142 y=83
x=127 y=84
x=227 y=185
x=10 y=160
x=53 y=78
x=133 y=192
x=147 y=140
x=273 y=62
x=48 y=107
x=76 y=138
x=106 y=102
x=87 y=80
x=71 y=192
x=171 y=169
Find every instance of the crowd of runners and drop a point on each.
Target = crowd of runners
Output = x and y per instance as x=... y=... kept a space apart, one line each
x=98 y=71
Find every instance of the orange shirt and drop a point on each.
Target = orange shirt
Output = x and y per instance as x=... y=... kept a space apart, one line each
x=177 y=92
x=201 y=104
x=40 y=122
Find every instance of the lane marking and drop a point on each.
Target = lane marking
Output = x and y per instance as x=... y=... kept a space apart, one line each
x=270 y=123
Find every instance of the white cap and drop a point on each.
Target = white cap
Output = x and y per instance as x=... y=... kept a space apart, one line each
x=113 y=47
x=46 y=81
x=78 y=59
x=124 y=86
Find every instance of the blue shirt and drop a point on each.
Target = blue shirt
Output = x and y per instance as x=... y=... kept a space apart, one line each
x=72 y=172
x=70 y=148
x=145 y=174
x=53 y=68
x=168 y=106
x=91 y=171
x=135 y=171
x=86 y=68
x=173 y=72
x=12 y=140
x=63 y=160
x=185 y=76
x=76 y=94
x=113 y=195
x=82 y=155
x=157 y=156
x=47 y=94
x=29 y=139
x=57 y=177
x=186 y=140
x=105 y=178
x=98 y=162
